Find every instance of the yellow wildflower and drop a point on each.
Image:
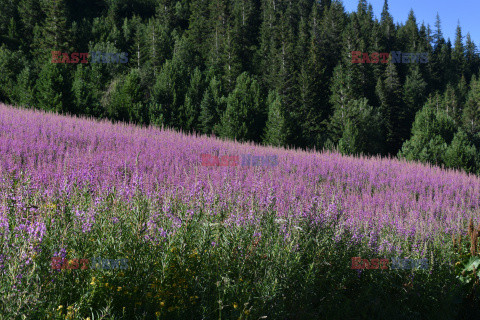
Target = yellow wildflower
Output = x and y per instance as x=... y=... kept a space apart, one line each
x=158 y=313
x=235 y=305
x=162 y=304
x=119 y=289
x=60 y=307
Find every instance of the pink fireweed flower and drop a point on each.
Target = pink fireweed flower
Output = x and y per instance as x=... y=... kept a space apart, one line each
x=84 y=220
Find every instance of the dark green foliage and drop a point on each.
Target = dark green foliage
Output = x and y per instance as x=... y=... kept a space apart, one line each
x=471 y=113
x=9 y=68
x=432 y=132
x=190 y=110
x=85 y=93
x=211 y=107
x=292 y=58
x=275 y=129
x=243 y=116
x=23 y=93
x=392 y=109
x=50 y=88
x=55 y=29
x=357 y=128
x=462 y=154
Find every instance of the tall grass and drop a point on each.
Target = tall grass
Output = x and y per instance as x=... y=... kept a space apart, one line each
x=216 y=242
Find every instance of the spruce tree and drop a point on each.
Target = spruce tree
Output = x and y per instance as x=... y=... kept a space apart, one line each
x=243 y=117
x=275 y=130
x=471 y=112
x=392 y=110
x=462 y=154
x=49 y=88
x=190 y=110
x=211 y=107
x=432 y=132
x=23 y=92
x=458 y=55
x=55 y=29
x=414 y=93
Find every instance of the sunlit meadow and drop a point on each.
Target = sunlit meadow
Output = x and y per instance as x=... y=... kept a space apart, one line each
x=216 y=242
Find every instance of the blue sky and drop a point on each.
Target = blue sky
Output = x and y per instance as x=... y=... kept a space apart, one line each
x=467 y=11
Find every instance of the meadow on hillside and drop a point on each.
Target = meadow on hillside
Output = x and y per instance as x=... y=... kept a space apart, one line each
x=212 y=242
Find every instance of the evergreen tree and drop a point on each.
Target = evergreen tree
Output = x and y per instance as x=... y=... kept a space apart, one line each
x=392 y=110
x=471 y=57
x=190 y=111
x=211 y=107
x=432 y=132
x=344 y=88
x=23 y=94
x=451 y=104
x=438 y=39
x=388 y=28
x=313 y=107
x=55 y=29
x=9 y=68
x=123 y=99
x=410 y=34
x=138 y=51
x=164 y=95
x=158 y=43
x=275 y=129
x=357 y=128
x=414 y=94
x=246 y=19
x=30 y=13
x=461 y=153
x=462 y=90
x=458 y=55
x=86 y=95
x=49 y=87
x=325 y=33
x=243 y=117
x=471 y=112
x=200 y=26
x=8 y=12
x=219 y=19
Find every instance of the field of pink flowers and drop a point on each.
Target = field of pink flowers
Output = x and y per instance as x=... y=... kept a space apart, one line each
x=66 y=182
